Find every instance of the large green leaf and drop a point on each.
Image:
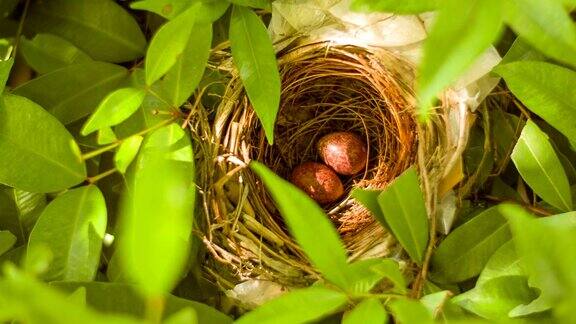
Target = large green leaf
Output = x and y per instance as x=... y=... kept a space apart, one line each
x=74 y=91
x=395 y=6
x=463 y=30
x=521 y=51
x=540 y=167
x=168 y=44
x=298 y=306
x=309 y=225
x=408 y=311
x=123 y=298
x=542 y=88
x=368 y=311
x=255 y=59
x=19 y=210
x=465 y=252
x=101 y=28
x=114 y=109
x=183 y=78
x=72 y=226
x=156 y=217
x=402 y=203
x=545 y=25
x=504 y=262
x=46 y=53
x=37 y=153
x=7 y=241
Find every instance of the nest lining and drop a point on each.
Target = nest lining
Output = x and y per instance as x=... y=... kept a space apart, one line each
x=325 y=88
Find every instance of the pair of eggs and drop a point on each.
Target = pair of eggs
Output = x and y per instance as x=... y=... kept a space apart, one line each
x=343 y=153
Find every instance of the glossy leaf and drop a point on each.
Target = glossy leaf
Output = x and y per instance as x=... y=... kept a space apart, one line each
x=72 y=226
x=255 y=60
x=368 y=311
x=402 y=203
x=504 y=262
x=156 y=220
x=465 y=252
x=298 y=306
x=37 y=154
x=73 y=92
x=46 y=53
x=5 y=68
x=462 y=32
x=369 y=199
x=366 y=274
x=105 y=136
x=183 y=78
x=541 y=168
x=101 y=28
x=545 y=25
x=165 y=8
x=168 y=44
x=406 y=311
x=542 y=88
x=309 y=225
x=7 y=241
x=127 y=152
x=399 y=7
x=123 y=298
x=521 y=51
x=114 y=109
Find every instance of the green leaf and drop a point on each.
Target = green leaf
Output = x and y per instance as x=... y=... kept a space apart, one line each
x=165 y=8
x=46 y=53
x=19 y=210
x=540 y=167
x=365 y=274
x=261 y=4
x=368 y=311
x=369 y=198
x=168 y=44
x=255 y=60
x=7 y=241
x=101 y=28
x=298 y=306
x=309 y=225
x=495 y=298
x=435 y=302
x=156 y=220
x=73 y=92
x=402 y=203
x=185 y=316
x=105 y=136
x=399 y=7
x=72 y=226
x=521 y=51
x=37 y=152
x=123 y=298
x=462 y=32
x=114 y=109
x=183 y=78
x=504 y=262
x=407 y=311
x=542 y=88
x=5 y=67
x=127 y=152
x=545 y=25
x=465 y=252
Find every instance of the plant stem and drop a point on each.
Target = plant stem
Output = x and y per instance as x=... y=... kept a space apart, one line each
x=102 y=175
x=154 y=309
x=21 y=27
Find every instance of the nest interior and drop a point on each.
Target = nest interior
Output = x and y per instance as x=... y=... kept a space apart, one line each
x=325 y=88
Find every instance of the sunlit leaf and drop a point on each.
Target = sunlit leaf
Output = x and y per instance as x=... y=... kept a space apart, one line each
x=545 y=25
x=46 y=53
x=185 y=316
x=402 y=203
x=368 y=311
x=298 y=306
x=114 y=109
x=462 y=31
x=521 y=51
x=542 y=88
x=369 y=198
x=407 y=311
x=105 y=135
x=74 y=91
x=464 y=253
x=365 y=274
x=37 y=154
x=541 y=168
x=255 y=59
x=101 y=28
x=168 y=44
x=72 y=226
x=261 y=4
x=399 y=7
x=165 y=8
x=156 y=219
x=504 y=262
x=127 y=152
x=309 y=225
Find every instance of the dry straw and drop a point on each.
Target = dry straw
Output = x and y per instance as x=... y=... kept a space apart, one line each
x=325 y=88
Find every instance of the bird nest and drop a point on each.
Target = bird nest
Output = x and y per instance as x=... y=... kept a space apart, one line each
x=325 y=88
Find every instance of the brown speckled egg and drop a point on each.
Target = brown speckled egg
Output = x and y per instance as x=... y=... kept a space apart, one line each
x=318 y=181
x=344 y=152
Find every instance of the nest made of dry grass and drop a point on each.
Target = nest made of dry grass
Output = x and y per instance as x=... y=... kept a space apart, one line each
x=325 y=88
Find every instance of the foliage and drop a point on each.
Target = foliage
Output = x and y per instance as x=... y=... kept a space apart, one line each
x=97 y=174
